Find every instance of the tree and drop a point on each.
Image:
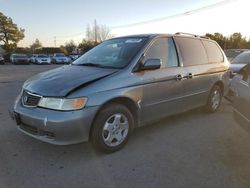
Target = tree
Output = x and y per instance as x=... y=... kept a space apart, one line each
x=219 y=38
x=36 y=45
x=70 y=46
x=86 y=45
x=63 y=49
x=10 y=34
x=104 y=33
x=234 y=41
x=98 y=33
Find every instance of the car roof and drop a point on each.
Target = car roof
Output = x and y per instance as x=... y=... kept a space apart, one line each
x=179 y=34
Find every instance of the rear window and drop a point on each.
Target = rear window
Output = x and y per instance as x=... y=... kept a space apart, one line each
x=213 y=52
x=192 y=51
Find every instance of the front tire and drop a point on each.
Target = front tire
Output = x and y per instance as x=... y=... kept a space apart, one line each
x=112 y=128
x=214 y=99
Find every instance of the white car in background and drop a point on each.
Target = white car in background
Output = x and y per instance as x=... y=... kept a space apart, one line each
x=60 y=58
x=42 y=59
x=33 y=58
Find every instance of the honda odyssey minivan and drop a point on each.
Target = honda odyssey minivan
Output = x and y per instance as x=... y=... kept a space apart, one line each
x=121 y=84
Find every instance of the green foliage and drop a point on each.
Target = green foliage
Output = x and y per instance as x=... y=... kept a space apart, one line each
x=10 y=34
x=70 y=47
x=36 y=45
x=22 y=50
x=63 y=49
x=86 y=45
x=234 y=41
x=48 y=50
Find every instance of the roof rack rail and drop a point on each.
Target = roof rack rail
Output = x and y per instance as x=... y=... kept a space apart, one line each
x=193 y=35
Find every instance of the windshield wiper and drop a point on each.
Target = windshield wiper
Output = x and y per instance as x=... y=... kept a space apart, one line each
x=90 y=64
x=96 y=65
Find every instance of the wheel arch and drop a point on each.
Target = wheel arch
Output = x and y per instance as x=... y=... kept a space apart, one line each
x=127 y=102
x=221 y=85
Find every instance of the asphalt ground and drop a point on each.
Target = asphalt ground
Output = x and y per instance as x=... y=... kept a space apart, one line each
x=193 y=149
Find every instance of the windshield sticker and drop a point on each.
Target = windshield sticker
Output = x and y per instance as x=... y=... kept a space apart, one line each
x=133 y=40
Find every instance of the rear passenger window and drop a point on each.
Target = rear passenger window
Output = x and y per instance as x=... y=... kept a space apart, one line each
x=164 y=49
x=213 y=52
x=192 y=51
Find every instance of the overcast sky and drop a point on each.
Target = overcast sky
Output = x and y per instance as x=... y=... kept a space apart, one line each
x=44 y=19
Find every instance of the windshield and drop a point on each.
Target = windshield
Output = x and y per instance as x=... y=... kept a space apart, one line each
x=115 y=53
x=243 y=58
x=59 y=55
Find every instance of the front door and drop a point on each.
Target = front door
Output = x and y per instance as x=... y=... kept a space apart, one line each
x=162 y=90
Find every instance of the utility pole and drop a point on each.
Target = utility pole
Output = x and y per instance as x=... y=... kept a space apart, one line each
x=55 y=40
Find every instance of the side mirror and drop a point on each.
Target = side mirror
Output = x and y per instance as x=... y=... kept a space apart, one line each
x=151 y=64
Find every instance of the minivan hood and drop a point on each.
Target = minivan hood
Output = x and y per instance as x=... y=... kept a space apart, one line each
x=61 y=81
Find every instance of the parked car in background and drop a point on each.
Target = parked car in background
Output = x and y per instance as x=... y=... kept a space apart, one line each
x=121 y=84
x=42 y=59
x=60 y=58
x=29 y=56
x=1 y=59
x=232 y=53
x=19 y=59
x=239 y=62
x=74 y=56
x=33 y=58
x=240 y=85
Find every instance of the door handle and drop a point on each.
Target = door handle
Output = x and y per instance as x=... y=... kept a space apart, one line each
x=190 y=75
x=179 y=77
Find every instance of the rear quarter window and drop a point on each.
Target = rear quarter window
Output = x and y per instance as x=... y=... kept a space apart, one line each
x=213 y=52
x=192 y=51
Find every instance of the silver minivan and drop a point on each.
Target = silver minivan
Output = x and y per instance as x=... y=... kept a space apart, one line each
x=121 y=84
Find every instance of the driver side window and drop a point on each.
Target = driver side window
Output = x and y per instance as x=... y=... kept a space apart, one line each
x=164 y=49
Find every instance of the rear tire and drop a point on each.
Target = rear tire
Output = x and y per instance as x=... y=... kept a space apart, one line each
x=112 y=128
x=214 y=99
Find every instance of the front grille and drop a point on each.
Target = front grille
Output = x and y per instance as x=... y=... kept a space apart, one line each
x=29 y=129
x=35 y=131
x=29 y=99
x=22 y=60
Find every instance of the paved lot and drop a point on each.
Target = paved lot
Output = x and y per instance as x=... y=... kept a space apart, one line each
x=194 y=149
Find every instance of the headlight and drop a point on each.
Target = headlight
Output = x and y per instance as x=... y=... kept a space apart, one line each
x=62 y=104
